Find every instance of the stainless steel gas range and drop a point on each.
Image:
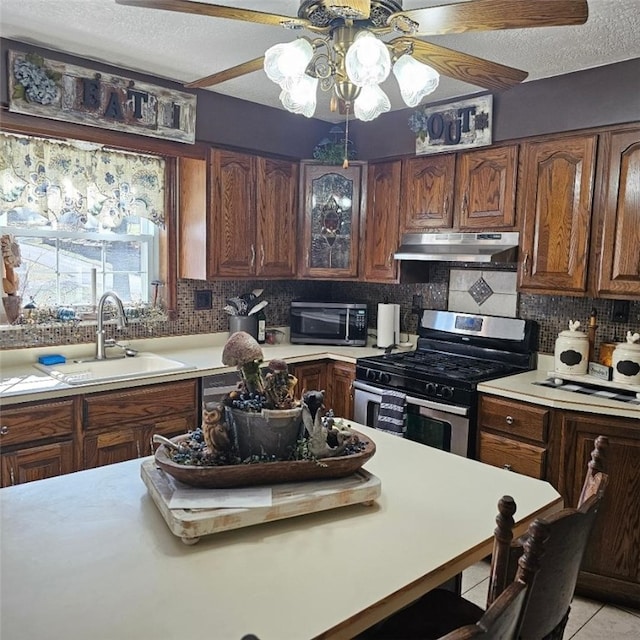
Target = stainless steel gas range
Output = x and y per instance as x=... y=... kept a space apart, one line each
x=455 y=352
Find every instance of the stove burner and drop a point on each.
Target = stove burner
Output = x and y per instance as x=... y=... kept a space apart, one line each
x=446 y=365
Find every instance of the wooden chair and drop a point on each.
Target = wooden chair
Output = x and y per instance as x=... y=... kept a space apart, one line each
x=569 y=530
x=440 y=611
x=503 y=619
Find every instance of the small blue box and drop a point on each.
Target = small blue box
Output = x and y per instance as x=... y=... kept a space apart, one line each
x=52 y=359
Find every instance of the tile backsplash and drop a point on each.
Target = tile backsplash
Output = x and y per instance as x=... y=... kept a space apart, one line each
x=551 y=312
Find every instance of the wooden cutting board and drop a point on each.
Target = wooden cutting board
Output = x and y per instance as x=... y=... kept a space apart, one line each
x=288 y=500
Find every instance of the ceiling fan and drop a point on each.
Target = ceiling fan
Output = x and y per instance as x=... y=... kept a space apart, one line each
x=350 y=53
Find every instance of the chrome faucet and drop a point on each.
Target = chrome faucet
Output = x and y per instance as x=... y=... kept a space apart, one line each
x=101 y=343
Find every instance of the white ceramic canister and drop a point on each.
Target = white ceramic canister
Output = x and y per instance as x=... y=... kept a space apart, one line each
x=572 y=350
x=626 y=360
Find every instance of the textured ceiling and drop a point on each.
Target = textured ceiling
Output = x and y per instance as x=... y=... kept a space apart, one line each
x=187 y=47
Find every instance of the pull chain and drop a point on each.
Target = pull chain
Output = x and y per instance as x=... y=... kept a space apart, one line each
x=345 y=161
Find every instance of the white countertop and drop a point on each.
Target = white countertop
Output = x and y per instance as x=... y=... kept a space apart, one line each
x=20 y=381
x=88 y=555
x=522 y=387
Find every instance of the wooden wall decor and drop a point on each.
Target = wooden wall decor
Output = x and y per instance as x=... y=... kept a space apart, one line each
x=454 y=126
x=50 y=89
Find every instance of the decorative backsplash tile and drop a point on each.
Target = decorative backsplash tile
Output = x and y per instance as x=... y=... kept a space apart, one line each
x=484 y=291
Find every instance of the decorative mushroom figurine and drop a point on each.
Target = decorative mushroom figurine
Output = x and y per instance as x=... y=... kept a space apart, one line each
x=243 y=351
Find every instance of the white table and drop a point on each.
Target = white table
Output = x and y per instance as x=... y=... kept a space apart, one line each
x=88 y=555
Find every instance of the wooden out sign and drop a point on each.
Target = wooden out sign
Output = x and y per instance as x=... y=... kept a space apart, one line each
x=454 y=126
x=50 y=89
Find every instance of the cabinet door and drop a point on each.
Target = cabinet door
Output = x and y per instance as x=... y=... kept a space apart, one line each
x=277 y=185
x=311 y=376
x=555 y=199
x=486 y=189
x=381 y=229
x=618 y=211
x=233 y=207
x=36 y=463
x=427 y=193
x=340 y=395
x=330 y=213
x=196 y=256
x=115 y=445
x=611 y=565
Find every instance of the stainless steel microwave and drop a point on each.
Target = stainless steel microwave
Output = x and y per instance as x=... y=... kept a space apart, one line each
x=339 y=323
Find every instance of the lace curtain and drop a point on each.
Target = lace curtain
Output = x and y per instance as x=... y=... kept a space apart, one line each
x=60 y=185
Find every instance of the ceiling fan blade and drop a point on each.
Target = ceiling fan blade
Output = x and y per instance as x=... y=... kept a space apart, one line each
x=217 y=11
x=462 y=66
x=488 y=15
x=227 y=74
x=354 y=9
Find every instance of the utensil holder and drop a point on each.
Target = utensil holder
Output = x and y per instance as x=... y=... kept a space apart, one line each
x=249 y=324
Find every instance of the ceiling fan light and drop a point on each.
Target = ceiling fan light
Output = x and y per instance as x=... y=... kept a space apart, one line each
x=371 y=102
x=300 y=96
x=416 y=79
x=367 y=61
x=287 y=60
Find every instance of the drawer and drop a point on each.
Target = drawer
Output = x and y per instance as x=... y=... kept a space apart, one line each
x=513 y=455
x=514 y=418
x=33 y=422
x=144 y=404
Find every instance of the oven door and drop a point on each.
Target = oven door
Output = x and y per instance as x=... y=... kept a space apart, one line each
x=429 y=422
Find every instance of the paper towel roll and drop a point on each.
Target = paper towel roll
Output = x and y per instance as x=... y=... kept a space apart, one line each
x=388 y=325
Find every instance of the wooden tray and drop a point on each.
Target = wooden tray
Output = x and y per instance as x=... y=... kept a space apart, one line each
x=288 y=500
x=243 y=475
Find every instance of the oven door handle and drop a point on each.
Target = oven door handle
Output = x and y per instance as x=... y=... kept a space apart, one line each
x=419 y=402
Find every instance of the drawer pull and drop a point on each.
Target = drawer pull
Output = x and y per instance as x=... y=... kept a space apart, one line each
x=4 y=430
x=508 y=467
x=509 y=420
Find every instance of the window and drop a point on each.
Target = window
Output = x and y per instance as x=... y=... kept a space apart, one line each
x=87 y=219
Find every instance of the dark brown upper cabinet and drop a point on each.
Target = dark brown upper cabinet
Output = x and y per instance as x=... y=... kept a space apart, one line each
x=616 y=246
x=555 y=195
x=331 y=208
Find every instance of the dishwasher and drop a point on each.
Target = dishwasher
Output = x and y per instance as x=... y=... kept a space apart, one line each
x=215 y=387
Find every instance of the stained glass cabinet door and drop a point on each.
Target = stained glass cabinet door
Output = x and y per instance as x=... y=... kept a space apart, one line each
x=331 y=212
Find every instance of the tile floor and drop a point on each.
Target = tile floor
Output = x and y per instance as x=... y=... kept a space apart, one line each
x=588 y=620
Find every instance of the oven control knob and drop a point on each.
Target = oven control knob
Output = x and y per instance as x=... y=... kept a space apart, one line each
x=385 y=378
x=371 y=375
x=447 y=392
x=431 y=388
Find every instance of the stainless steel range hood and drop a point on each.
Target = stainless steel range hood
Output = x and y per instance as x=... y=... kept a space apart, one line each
x=459 y=247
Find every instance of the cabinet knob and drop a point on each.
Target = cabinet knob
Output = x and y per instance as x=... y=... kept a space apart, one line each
x=525 y=264
x=12 y=476
x=138 y=449
x=509 y=420
x=508 y=467
x=253 y=255
x=261 y=255
x=4 y=430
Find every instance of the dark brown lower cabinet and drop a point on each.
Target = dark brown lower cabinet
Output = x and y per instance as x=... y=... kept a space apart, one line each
x=611 y=567
x=334 y=378
x=37 y=463
x=36 y=441
x=119 y=425
x=556 y=445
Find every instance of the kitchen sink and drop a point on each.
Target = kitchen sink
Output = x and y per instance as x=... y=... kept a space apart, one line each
x=142 y=365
